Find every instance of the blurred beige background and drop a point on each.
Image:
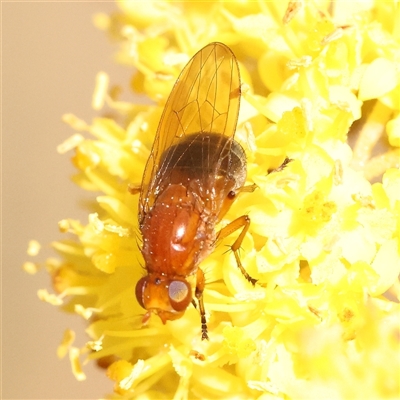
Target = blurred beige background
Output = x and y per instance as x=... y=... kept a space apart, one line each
x=51 y=53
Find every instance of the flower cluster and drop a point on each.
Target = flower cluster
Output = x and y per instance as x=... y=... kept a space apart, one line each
x=321 y=85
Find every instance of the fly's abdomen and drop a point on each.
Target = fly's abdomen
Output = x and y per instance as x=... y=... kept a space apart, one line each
x=207 y=157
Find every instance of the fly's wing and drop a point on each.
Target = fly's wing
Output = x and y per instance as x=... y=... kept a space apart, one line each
x=205 y=99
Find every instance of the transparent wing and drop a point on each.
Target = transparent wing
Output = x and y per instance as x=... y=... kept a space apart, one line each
x=205 y=99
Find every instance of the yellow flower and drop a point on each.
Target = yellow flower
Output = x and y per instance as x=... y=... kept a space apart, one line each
x=321 y=84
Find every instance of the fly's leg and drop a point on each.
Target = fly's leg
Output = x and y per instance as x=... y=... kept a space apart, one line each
x=197 y=355
x=200 y=282
x=247 y=189
x=286 y=161
x=134 y=189
x=243 y=223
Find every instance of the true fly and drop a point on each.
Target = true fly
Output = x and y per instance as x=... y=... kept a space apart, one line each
x=195 y=171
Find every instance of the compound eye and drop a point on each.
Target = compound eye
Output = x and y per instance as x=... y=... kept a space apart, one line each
x=140 y=288
x=180 y=295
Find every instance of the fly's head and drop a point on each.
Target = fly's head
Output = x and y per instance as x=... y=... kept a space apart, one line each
x=165 y=296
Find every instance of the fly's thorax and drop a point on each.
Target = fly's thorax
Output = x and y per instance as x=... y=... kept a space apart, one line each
x=173 y=232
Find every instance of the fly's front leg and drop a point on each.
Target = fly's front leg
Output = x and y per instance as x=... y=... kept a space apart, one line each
x=243 y=223
x=200 y=282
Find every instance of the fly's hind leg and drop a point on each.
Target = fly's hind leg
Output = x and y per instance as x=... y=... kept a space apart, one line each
x=243 y=223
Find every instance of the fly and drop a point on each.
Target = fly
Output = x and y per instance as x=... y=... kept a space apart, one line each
x=194 y=173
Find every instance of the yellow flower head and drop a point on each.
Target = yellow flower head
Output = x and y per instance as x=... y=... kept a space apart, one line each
x=321 y=86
